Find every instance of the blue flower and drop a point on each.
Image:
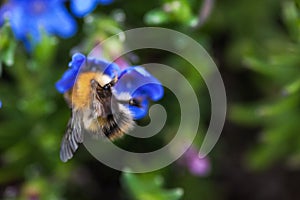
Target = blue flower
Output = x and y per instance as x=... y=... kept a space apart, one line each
x=68 y=79
x=142 y=86
x=135 y=81
x=82 y=7
x=80 y=62
x=3 y=10
x=29 y=17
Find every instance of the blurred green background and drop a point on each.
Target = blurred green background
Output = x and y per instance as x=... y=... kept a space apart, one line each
x=255 y=44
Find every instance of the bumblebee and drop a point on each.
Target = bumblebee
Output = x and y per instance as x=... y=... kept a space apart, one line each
x=97 y=109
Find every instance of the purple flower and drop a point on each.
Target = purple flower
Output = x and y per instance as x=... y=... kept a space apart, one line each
x=196 y=165
x=29 y=17
x=122 y=63
x=135 y=81
x=83 y=7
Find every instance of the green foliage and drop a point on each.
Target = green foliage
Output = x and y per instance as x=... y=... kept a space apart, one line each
x=276 y=63
x=255 y=45
x=149 y=187
x=28 y=127
x=7 y=46
x=179 y=11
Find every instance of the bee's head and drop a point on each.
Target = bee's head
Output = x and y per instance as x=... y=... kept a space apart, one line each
x=103 y=90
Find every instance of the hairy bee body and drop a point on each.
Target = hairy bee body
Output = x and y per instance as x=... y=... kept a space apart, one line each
x=96 y=109
x=81 y=92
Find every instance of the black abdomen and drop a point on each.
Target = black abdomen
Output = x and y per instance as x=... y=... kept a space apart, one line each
x=112 y=129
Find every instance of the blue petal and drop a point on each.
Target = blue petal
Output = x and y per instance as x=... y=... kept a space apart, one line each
x=23 y=27
x=60 y=22
x=28 y=18
x=3 y=12
x=77 y=60
x=139 y=112
x=82 y=7
x=138 y=82
x=68 y=79
x=141 y=85
x=80 y=62
x=105 y=2
x=17 y=24
x=108 y=68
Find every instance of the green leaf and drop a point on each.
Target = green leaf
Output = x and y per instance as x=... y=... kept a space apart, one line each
x=8 y=55
x=291 y=17
x=171 y=11
x=245 y=114
x=276 y=143
x=156 y=17
x=292 y=88
x=7 y=45
x=45 y=50
x=145 y=187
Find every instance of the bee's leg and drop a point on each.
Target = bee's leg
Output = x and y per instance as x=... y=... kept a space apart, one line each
x=72 y=137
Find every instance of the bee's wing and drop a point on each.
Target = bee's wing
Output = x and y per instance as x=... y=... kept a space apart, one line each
x=71 y=139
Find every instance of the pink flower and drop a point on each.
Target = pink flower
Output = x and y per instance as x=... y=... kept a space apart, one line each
x=196 y=165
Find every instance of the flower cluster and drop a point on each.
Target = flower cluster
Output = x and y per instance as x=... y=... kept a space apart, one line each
x=28 y=18
x=133 y=80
